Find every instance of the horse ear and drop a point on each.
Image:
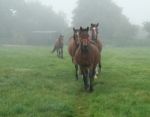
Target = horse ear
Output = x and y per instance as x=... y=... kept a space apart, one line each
x=80 y=27
x=97 y=24
x=73 y=29
x=87 y=28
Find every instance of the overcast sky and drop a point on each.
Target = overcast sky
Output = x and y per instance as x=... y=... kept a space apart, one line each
x=65 y=6
x=137 y=11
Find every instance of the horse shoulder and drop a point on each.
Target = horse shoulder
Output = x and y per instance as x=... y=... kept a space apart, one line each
x=72 y=47
x=95 y=52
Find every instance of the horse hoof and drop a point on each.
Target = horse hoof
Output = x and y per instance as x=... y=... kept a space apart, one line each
x=95 y=77
x=81 y=76
x=91 y=90
x=87 y=88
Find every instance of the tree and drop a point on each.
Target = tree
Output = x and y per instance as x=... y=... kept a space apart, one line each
x=147 y=28
x=113 y=24
x=19 y=19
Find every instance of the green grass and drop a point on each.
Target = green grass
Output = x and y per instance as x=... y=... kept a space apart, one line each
x=35 y=83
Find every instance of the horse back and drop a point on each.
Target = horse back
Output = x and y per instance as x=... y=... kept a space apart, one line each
x=71 y=47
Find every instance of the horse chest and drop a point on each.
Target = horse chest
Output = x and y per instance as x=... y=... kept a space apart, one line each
x=84 y=59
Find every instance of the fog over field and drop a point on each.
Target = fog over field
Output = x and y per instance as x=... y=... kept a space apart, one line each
x=40 y=22
x=74 y=58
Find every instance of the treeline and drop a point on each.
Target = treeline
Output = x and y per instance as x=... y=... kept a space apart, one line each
x=29 y=23
x=115 y=28
x=32 y=23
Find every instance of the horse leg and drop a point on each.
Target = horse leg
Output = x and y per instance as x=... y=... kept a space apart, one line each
x=91 y=76
x=62 y=52
x=91 y=84
x=88 y=79
x=100 y=66
x=57 y=53
x=97 y=69
x=76 y=67
x=85 y=80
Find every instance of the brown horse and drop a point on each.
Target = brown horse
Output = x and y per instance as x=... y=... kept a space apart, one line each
x=94 y=37
x=72 y=47
x=59 y=46
x=87 y=57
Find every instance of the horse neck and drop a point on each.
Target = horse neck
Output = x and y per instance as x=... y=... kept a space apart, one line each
x=85 y=52
x=60 y=40
x=75 y=40
x=93 y=36
x=74 y=36
x=59 y=43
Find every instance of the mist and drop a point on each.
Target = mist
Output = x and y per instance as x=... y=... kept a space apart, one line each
x=32 y=22
x=74 y=58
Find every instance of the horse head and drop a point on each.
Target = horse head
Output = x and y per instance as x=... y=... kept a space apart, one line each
x=84 y=38
x=76 y=36
x=94 y=31
x=61 y=38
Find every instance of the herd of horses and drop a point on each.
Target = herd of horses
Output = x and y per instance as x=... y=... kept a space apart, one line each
x=85 y=48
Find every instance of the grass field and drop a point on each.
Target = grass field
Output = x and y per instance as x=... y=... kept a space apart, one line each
x=35 y=83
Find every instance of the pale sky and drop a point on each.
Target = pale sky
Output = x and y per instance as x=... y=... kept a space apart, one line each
x=137 y=11
x=66 y=6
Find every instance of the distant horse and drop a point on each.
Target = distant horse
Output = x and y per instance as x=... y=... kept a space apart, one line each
x=59 y=46
x=72 y=47
x=87 y=57
x=94 y=37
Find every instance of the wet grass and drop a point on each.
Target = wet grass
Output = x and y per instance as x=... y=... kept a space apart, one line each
x=35 y=83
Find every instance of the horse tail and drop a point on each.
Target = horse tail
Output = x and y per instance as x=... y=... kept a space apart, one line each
x=53 y=49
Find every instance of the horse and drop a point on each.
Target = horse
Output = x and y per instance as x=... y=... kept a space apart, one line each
x=59 y=46
x=72 y=47
x=87 y=57
x=94 y=37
